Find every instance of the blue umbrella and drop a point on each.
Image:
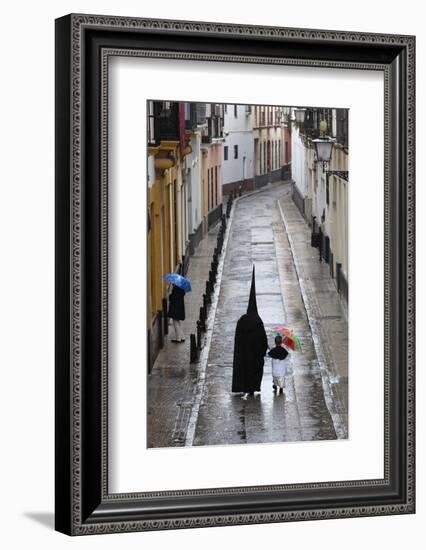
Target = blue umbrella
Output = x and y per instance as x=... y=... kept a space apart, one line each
x=179 y=280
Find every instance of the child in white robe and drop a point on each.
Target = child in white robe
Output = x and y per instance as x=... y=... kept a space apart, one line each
x=280 y=364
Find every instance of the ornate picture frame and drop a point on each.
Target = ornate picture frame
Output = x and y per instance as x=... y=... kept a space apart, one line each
x=84 y=44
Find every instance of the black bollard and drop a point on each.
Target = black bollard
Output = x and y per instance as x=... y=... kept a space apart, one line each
x=203 y=319
x=165 y=318
x=193 y=349
x=198 y=335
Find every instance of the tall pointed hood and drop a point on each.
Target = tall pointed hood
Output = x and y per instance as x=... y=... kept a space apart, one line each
x=252 y=305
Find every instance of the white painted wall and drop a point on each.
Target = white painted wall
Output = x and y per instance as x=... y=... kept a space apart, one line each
x=193 y=177
x=319 y=196
x=310 y=180
x=238 y=131
x=151 y=170
x=298 y=162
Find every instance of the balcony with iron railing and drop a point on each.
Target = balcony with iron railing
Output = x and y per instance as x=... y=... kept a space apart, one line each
x=342 y=120
x=214 y=129
x=321 y=121
x=195 y=115
x=163 y=122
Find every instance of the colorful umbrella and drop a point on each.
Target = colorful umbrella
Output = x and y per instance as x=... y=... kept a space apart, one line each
x=282 y=330
x=289 y=338
x=292 y=342
x=179 y=280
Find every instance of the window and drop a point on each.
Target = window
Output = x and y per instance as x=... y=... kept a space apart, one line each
x=263 y=157
x=226 y=107
x=208 y=189
x=215 y=185
x=235 y=151
x=151 y=131
x=342 y=126
x=187 y=107
x=235 y=110
x=211 y=188
x=225 y=153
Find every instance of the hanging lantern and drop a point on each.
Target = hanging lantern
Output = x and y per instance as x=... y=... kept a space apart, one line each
x=323 y=148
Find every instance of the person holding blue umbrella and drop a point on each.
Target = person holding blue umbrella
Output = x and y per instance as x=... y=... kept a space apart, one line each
x=176 y=310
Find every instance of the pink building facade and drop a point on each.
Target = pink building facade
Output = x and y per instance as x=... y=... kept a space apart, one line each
x=272 y=145
x=212 y=182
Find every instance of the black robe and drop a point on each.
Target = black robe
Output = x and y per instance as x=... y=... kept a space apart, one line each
x=177 y=304
x=250 y=348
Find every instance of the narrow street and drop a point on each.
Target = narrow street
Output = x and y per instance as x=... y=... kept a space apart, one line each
x=193 y=404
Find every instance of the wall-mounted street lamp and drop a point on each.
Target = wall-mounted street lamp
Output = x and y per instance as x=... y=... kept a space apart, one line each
x=323 y=148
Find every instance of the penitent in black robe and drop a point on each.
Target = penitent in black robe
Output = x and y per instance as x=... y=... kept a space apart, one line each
x=250 y=348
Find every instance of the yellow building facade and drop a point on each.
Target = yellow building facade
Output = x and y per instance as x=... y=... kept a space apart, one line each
x=167 y=228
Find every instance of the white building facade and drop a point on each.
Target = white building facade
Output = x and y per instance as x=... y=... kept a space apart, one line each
x=321 y=191
x=238 y=148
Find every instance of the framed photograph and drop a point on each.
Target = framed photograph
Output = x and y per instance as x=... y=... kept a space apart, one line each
x=234 y=274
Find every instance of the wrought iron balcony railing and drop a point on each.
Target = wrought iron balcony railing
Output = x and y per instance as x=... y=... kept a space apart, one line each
x=163 y=122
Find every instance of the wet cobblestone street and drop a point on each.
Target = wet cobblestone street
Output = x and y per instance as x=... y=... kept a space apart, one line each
x=193 y=404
